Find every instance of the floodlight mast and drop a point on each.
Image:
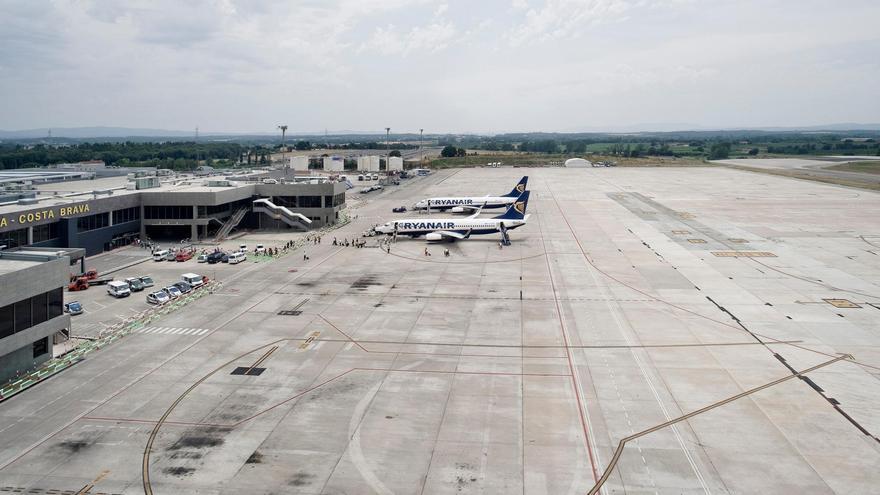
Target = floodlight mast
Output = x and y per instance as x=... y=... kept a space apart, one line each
x=283 y=128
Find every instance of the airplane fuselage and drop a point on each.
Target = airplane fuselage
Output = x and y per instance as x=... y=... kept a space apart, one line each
x=416 y=227
x=486 y=202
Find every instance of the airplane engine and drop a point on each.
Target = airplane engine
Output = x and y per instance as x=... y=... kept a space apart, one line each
x=458 y=209
x=433 y=237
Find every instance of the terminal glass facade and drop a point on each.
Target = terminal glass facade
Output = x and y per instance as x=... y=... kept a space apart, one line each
x=127 y=215
x=165 y=212
x=30 y=311
x=46 y=232
x=93 y=222
x=14 y=238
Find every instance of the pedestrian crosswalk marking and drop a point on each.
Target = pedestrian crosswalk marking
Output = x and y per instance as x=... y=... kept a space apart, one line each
x=173 y=331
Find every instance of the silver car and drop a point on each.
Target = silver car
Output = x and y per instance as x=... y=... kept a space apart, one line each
x=158 y=297
x=173 y=291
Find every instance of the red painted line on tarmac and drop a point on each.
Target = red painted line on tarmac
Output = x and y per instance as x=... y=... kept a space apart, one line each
x=571 y=368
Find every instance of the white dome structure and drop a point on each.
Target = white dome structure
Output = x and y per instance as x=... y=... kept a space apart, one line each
x=577 y=163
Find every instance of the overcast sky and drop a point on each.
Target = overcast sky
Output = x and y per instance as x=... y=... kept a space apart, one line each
x=445 y=66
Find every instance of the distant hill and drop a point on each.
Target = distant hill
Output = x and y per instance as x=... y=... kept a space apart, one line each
x=91 y=132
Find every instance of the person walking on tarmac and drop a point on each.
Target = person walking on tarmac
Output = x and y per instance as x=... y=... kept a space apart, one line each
x=446 y=252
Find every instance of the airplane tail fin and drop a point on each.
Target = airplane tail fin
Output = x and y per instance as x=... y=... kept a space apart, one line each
x=519 y=189
x=517 y=211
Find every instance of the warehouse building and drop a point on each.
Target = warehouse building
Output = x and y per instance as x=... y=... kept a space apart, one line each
x=195 y=209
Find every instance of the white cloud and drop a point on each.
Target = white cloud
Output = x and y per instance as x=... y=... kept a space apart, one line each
x=446 y=64
x=390 y=40
x=564 y=18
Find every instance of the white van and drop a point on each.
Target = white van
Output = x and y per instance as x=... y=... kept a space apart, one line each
x=118 y=289
x=160 y=255
x=237 y=257
x=193 y=279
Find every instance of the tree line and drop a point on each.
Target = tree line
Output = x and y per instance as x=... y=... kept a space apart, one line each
x=176 y=155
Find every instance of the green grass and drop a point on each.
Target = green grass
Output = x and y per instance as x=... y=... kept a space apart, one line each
x=544 y=160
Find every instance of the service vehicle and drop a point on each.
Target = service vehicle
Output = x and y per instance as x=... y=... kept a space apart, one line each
x=183 y=286
x=270 y=181
x=399 y=209
x=73 y=308
x=146 y=280
x=158 y=297
x=118 y=289
x=242 y=248
x=375 y=176
x=193 y=279
x=184 y=255
x=360 y=177
x=236 y=258
x=160 y=254
x=172 y=291
x=261 y=249
x=135 y=284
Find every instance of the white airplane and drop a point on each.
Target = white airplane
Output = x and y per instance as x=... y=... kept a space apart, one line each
x=474 y=203
x=438 y=229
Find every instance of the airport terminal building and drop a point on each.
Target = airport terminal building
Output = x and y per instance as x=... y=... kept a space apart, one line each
x=32 y=314
x=100 y=219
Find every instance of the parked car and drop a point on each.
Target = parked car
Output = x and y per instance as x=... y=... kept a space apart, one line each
x=399 y=209
x=171 y=256
x=261 y=249
x=160 y=255
x=236 y=258
x=184 y=255
x=242 y=248
x=73 y=308
x=147 y=281
x=217 y=257
x=158 y=297
x=183 y=287
x=203 y=258
x=118 y=289
x=135 y=284
x=173 y=292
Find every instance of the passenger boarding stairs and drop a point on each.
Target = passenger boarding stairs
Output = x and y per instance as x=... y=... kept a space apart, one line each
x=231 y=223
x=295 y=220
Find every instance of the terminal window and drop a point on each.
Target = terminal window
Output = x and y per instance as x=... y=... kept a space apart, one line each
x=168 y=212
x=127 y=215
x=47 y=232
x=20 y=316
x=92 y=222
x=14 y=238
x=7 y=326
x=309 y=201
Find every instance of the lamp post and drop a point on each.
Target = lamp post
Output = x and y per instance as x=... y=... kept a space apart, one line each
x=421 y=134
x=387 y=149
x=283 y=128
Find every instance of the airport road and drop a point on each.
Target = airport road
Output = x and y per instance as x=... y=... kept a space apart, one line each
x=633 y=297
